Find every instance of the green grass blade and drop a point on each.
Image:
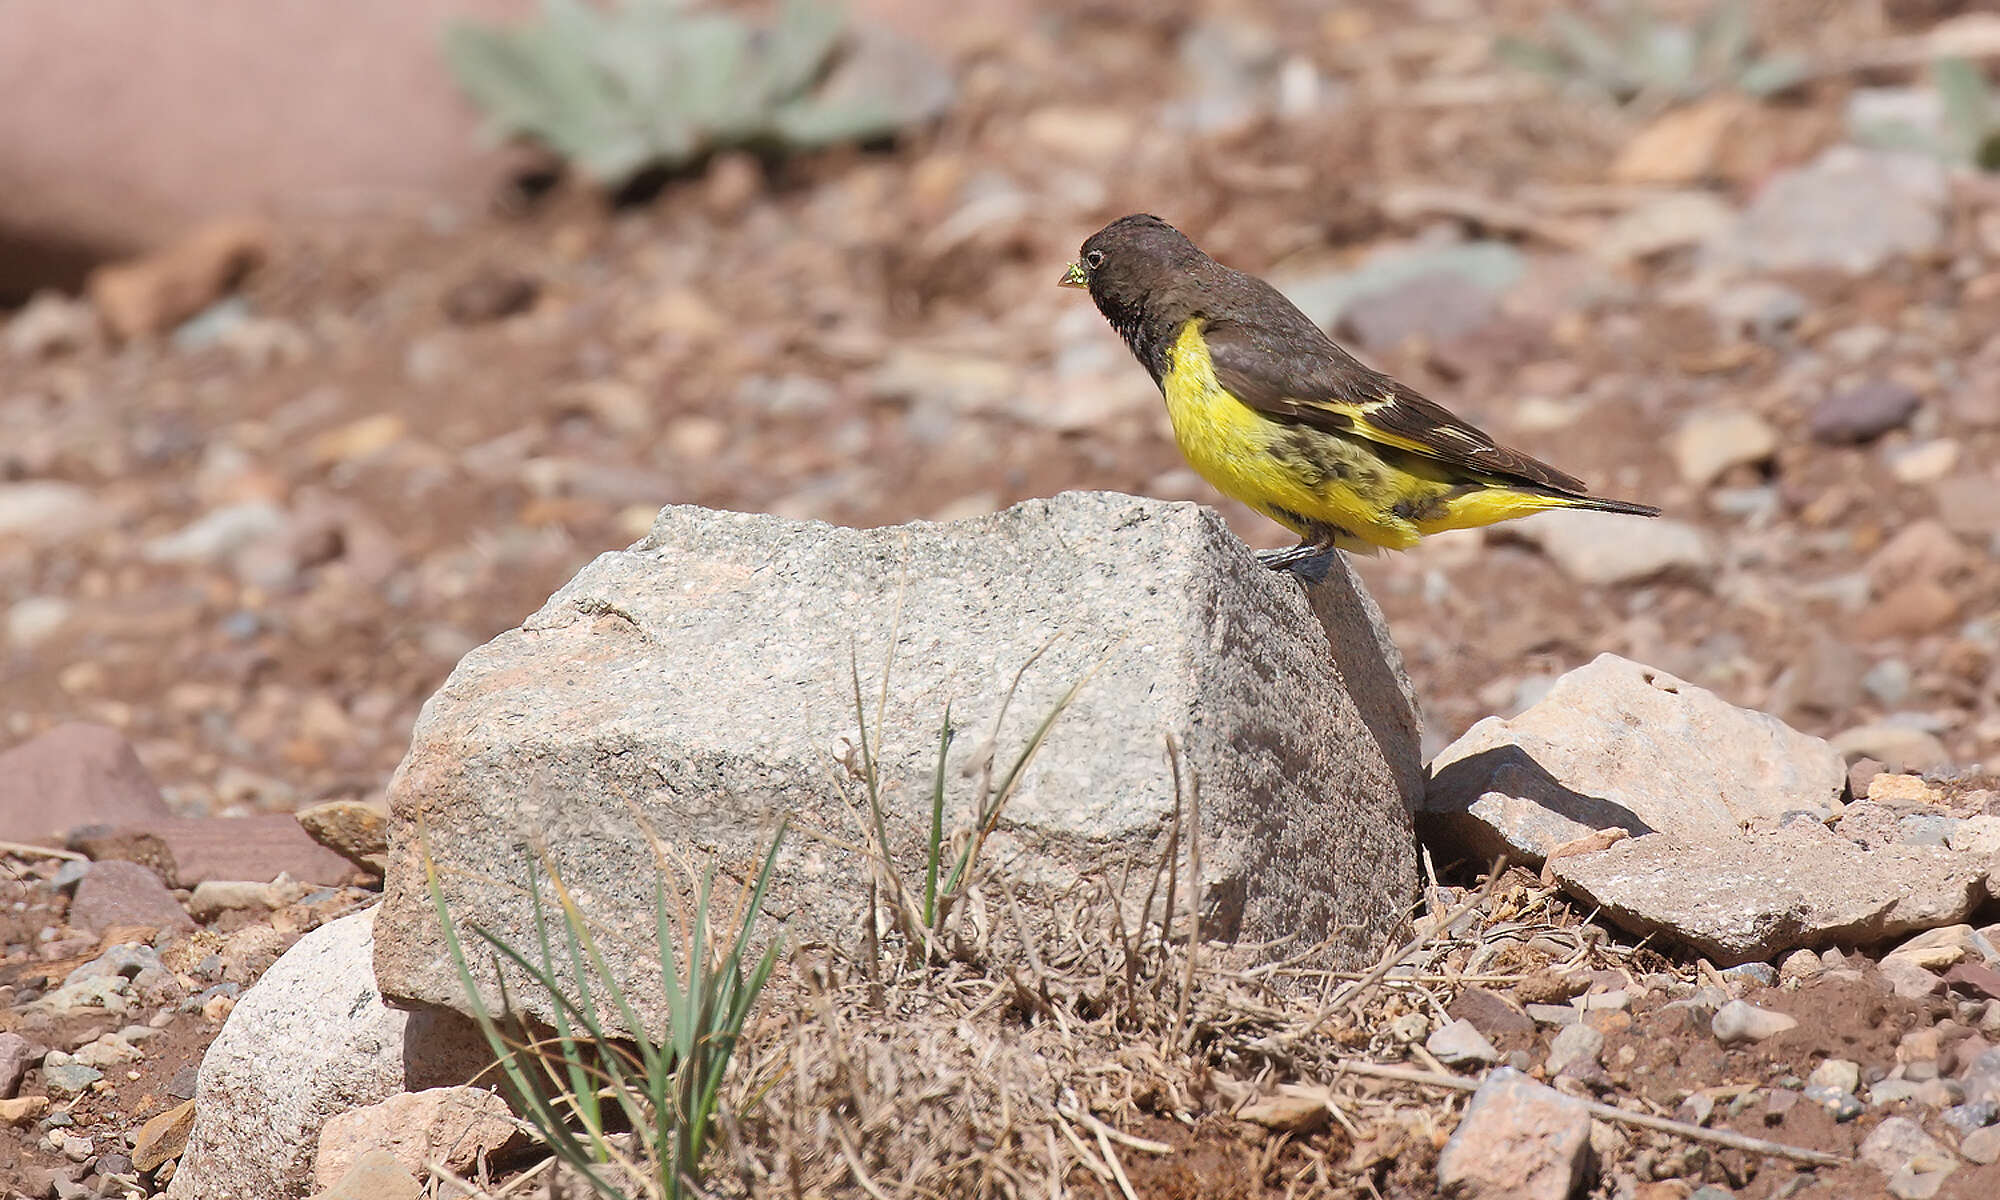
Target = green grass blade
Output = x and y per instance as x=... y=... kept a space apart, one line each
x=990 y=816
x=935 y=848
x=535 y=1105
x=582 y=1089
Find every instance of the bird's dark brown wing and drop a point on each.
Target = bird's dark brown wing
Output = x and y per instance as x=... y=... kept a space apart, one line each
x=1286 y=368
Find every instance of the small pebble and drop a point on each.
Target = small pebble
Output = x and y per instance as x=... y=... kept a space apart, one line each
x=1554 y=1014
x=1839 y=1074
x=1575 y=1044
x=1892 y=1091
x=1761 y=974
x=1843 y=1105
x=1460 y=1043
x=1738 y=1021
x=1799 y=966
x=1967 y=1117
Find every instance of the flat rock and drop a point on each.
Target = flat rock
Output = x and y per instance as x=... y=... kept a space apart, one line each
x=700 y=683
x=71 y=776
x=237 y=848
x=118 y=893
x=311 y=1039
x=376 y=1175
x=1609 y=548
x=213 y=897
x=163 y=1136
x=1616 y=744
x=1517 y=1139
x=450 y=1125
x=1849 y=210
x=1753 y=895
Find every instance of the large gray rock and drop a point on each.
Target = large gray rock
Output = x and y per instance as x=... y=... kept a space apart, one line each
x=698 y=684
x=1616 y=744
x=1751 y=896
x=312 y=1039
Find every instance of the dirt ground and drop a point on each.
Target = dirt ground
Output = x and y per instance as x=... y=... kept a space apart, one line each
x=450 y=413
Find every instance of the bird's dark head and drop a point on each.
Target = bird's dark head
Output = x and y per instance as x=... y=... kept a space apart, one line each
x=1134 y=268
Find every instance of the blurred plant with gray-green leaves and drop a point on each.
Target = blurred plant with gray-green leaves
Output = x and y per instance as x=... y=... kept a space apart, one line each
x=640 y=85
x=1634 y=56
x=1963 y=128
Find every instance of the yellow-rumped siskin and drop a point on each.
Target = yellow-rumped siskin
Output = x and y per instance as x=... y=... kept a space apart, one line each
x=1272 y=413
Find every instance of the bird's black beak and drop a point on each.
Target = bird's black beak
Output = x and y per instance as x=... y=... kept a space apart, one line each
x=1074 y=277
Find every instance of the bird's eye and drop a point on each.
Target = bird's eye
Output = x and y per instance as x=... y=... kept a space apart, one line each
x=1094 y=259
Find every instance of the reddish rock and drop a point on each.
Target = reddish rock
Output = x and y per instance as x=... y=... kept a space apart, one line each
x=150 y=295
x=254 y=848
x=71 y=776
x=103 y=844
x=17 y=1054
x=130 y=123
x=1517 y=1139
x=1912 y=610
x=125 y=894
x=1490 y=1012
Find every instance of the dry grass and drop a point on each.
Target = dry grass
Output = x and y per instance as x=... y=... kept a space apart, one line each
x=1089 y=1043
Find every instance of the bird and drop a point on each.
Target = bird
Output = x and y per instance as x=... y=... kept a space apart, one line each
x=1272 y=413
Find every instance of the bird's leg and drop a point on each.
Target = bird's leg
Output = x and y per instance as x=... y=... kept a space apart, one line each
x=1297 y=556
x=1278 y=560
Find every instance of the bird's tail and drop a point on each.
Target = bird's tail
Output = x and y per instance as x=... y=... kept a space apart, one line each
x=1603 y=504
x=1491 y=505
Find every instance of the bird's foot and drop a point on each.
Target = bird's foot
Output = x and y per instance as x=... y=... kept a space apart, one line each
x=1301 y=559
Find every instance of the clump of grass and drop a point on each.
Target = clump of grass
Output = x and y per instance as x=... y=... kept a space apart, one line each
x=923 y=916
x=1635 y=56
x=631 y=1114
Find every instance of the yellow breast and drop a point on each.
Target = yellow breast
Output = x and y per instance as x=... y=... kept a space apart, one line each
x=1223 y=439
x=1251 y=458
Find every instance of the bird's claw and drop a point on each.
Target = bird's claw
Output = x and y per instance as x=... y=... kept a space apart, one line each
x=1308 y=559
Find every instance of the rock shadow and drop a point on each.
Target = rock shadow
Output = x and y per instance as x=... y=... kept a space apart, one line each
x=1511 y=771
